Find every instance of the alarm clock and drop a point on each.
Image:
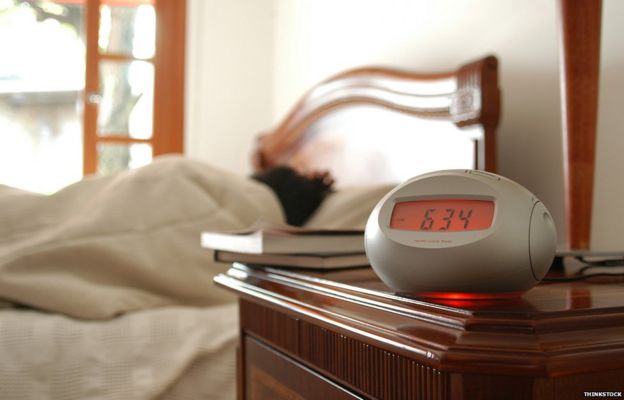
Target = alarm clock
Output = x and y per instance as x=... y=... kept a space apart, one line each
x=460 y=232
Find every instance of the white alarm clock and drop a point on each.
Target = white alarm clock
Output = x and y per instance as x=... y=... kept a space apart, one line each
x=460 y=232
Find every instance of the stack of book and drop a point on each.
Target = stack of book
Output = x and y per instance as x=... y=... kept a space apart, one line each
x=288 y=246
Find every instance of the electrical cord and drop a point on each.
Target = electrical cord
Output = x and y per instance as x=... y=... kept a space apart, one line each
x=580 y=277
x=588 y=265
x=612 y=262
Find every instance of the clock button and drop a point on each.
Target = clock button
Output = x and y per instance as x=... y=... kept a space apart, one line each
x=542 y=240
x=485 y=175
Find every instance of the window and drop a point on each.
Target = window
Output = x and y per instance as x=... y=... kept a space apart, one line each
x=88 y=86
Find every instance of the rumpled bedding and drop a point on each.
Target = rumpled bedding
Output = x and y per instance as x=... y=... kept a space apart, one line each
x=171 y=353
x=106 y=246
x=105 y=292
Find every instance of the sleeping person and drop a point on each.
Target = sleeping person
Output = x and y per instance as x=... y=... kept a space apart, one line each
x=299 y=194
x=108 y=245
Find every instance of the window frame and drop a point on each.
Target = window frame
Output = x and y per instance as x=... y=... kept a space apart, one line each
x=169 y=72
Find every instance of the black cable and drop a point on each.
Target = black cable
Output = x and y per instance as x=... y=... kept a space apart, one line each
x=609 y=263
x=617 y=262
x=580 y=277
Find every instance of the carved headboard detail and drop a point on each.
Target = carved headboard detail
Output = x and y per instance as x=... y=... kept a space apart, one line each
x=466 y=98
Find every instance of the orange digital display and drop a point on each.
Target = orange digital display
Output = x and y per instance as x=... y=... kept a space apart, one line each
x=443 y=215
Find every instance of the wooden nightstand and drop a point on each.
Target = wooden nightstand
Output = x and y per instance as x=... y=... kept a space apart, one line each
x=344 y=334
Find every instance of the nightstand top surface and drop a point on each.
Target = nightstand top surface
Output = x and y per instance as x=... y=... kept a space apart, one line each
x=553 y=329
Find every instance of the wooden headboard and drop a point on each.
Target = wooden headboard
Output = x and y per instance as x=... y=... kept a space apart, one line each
x=373 y=125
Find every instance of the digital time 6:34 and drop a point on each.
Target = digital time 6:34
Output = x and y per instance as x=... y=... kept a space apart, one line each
x=442 y=215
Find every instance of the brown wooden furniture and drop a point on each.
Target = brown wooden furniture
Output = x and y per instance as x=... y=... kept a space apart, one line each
x=580 y=24
x=312 y=137
x=344 y=335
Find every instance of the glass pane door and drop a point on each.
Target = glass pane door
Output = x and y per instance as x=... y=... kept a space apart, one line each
x=77 y=87
x=41 y=81
x=121 y=97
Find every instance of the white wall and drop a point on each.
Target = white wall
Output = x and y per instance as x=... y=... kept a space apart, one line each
x=609 y=184
x=251 y=59
x=317 y=38
x=229 y=79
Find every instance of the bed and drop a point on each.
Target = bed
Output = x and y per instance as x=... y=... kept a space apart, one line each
x=145 y=322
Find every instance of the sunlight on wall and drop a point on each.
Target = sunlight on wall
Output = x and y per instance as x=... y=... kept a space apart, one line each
x=317 y=38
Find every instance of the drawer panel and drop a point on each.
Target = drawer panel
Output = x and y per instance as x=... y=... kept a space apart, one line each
x=270 y=375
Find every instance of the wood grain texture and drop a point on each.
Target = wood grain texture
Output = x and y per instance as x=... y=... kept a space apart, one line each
x=580 y=24
x=376 y=372
x=92 y=87
x=553 y=330
x=466 y=97
x=556 y=341
x=361 y=367
x=482 y=77
x=272 y=376
x=169 y=67
x=280 y=329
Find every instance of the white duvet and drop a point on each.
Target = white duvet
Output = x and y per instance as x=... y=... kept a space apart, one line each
x=119 y=297
x=171 y=353
x=106 y=246
x=118 y=294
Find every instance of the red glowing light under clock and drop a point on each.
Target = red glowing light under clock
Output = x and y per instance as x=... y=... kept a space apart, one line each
x=469 y=296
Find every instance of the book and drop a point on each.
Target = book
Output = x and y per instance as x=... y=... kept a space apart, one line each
x=294 y=260
x=264 y=238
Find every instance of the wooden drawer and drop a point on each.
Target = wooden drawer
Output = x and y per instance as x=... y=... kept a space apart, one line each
x=270 y=375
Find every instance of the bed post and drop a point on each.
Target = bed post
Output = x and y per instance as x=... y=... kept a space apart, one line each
x=478 y=102
x=580 y=25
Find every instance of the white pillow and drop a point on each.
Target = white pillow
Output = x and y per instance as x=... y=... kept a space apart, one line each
x=347 y=208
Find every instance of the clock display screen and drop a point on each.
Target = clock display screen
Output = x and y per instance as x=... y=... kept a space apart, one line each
x=443 y=215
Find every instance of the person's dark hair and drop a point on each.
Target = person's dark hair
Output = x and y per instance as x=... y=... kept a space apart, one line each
x=299 y=195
